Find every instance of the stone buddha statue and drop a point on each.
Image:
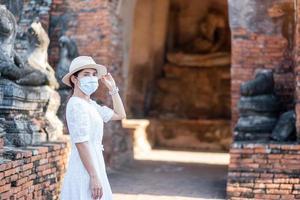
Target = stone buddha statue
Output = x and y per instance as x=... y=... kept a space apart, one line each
x=12 y=66
x=211 y=36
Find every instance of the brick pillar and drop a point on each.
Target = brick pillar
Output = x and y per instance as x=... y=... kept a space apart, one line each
x=297 y=67
x=262 y=37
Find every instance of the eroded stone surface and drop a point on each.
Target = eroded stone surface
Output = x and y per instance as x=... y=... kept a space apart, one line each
x=274 y=17
x=12 y=65
x=29 y=113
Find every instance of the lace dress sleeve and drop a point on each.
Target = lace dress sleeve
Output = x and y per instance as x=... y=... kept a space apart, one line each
x=105 y=112
x=77 y=117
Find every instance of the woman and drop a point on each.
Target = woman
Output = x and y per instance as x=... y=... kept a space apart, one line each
x=86 y=176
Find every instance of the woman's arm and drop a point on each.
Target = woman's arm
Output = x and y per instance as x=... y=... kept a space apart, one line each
x=119 y=111
x=85 y=156
x=79 y=127
x=118 y=108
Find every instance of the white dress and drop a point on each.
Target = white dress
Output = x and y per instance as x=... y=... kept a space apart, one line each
x=85 y=123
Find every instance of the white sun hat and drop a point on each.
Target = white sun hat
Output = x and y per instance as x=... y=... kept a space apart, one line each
x=83 y=62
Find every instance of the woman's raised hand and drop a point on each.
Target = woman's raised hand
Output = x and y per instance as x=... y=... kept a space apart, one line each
x=108 y=81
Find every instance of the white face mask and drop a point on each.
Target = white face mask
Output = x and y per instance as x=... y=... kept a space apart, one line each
x=88 y=84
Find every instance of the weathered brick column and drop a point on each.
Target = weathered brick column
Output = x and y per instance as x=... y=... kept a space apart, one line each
x=263 y=38
x=297 y=67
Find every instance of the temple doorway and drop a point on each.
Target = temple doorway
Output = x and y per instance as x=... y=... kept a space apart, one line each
x=178 y=87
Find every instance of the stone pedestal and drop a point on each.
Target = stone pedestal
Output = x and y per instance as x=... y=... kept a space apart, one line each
x=28 y=113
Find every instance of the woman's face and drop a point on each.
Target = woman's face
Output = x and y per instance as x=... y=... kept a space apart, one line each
x=83 y=73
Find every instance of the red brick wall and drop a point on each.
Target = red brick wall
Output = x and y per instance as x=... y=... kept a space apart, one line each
x=95 y=27
x=264 y=171
x=33 y=172
x=258 y=41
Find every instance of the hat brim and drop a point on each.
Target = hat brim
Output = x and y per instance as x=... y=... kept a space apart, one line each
x=101 y=70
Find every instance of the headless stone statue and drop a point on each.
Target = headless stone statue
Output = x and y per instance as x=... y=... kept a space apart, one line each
x=12 y=66
x=259 y=108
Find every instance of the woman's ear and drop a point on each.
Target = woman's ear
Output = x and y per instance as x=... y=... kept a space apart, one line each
x=73 y=79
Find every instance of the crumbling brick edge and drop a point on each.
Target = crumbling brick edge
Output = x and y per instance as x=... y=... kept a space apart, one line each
x=264 y=171
x=33 y=172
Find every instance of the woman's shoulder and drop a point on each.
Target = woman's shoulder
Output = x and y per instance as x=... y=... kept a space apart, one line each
x=74 y=99
x=76 y=102
x=77 y=108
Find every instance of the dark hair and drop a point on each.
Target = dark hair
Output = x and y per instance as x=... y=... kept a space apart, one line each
x=75 y=74
x=68 y=98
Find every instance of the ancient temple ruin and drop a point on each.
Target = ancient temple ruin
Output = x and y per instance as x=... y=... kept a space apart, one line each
x=38 y=41
x=211 y=75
